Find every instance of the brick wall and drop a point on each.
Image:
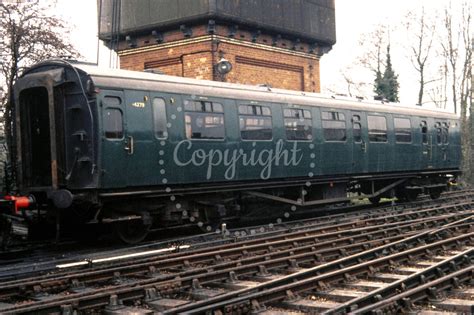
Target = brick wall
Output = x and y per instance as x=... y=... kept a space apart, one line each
x=255 y=60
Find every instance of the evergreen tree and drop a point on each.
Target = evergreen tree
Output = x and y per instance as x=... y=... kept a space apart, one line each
x=378 y=85
x=386 y=85
x=390 y=80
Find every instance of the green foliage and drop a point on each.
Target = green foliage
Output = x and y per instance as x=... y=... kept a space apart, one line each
x=379 y=86
x=386 y=85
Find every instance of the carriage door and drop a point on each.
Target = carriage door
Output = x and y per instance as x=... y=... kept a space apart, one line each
x=426 y=145
x=442 y=141
x=139 y=145
x=445 y=136
x=359 y=143
x=114 y=163
x=36 y=136
x=127 y=139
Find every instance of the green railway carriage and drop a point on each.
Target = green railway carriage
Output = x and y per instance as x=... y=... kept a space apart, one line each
x=120 y=143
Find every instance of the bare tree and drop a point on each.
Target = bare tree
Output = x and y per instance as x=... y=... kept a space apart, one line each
x=438 y=93
x=352 y=83
x=465 y=87
x=450 y=49
x=355 y=86
x=421 y=31
x=457 y=50
x=466 y=62
x=28 y=34
x=374 y=57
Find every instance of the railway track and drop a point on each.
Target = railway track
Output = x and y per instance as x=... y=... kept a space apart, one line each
x=40 y=262
x=367 y=284
x=291 y=269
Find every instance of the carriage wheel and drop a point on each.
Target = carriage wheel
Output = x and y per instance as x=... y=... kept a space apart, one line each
x=131 y=232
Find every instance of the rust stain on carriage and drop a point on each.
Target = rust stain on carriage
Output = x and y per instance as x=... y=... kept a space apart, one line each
x=52 y=130
x=54 y=173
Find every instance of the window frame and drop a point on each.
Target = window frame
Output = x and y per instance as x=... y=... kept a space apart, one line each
x=310 y=119
x=323 y=119
x=397 y=131
x=358 y=122
x=165 y=132
x=119 y=110
x=256 y=115
x=439 y=132
x=372 y=133
x=212 y=112
x=116 y=107
x=424 y=132
x=445 y=133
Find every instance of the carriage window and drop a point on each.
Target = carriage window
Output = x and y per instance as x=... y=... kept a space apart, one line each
x=113 y=123
x=402 y=130
x=112 y=101
x=445 y=133
x=204 y=120
x=424 y=132
x=356 y=128
x=439 y=133
x=202 y=106
x=298 y=124
x=334 y=126
x=255 y=122
x=377 y=128
x=159 y=118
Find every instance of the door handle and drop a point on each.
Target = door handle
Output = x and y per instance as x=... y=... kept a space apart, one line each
x=363 y=146
x=129 y=145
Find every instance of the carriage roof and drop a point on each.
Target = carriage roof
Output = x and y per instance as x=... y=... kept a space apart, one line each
x=126 y=79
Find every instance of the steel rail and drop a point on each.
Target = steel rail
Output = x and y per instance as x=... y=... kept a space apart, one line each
x=427 y=290
x=292 y=240
x=22 y=270
x=388 y=293
x=100 y=297
x=169 y=283
x=331 y=272
x=414 y=214
x=308 y=242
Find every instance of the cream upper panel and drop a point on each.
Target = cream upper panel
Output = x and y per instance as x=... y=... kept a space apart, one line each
x=116 y=78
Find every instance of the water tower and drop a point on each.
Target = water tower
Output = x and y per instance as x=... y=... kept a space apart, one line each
x=274 y=42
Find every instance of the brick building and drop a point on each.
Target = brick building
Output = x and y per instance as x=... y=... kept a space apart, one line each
x=274 y=42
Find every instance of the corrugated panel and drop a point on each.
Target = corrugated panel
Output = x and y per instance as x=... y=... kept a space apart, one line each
x=313 y=19
x=105 y=22
x=190 y=8
x=135 y=13
x=226 y=6
x=327 y=25
x=164 y=11
x=319 y=20
x=250 y=10
x=289 y=17
x=138 y=14
x=275 y=14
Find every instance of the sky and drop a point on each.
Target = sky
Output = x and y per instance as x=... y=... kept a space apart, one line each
x=353 y=19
